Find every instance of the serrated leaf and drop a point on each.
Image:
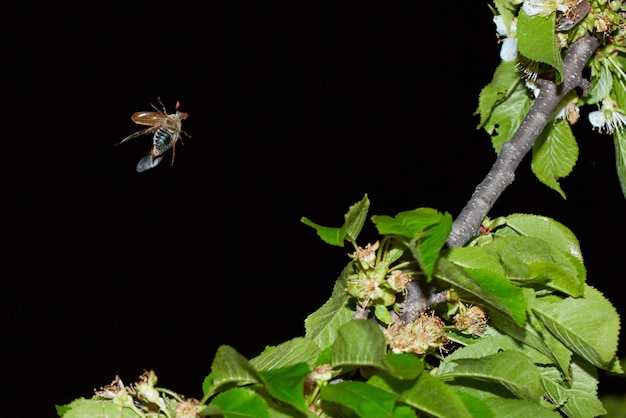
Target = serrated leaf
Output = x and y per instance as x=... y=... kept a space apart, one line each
x=365 y=400
x=589 y=325
x=504 y=81
x=294 y=351
x=96 y=408
x=507 y=116
x=231 y=368
x=322 y=325
x=511 y=369
x=519 y=408
x=537 y=339
x=428 y=245
x=424 y=393
x=536 y=39
x=544 y=228
x=475 y=258
x=408 y=224
x=529 y=260
x=287 y=384
x=554 y=154
x=241 y=403
x=500 y=295
x=360 y=343
x=354 y=221
x=579 y=397
x=601 y=85
x=425 y=229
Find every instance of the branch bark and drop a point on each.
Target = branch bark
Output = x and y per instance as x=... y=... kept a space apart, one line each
x=502 y=173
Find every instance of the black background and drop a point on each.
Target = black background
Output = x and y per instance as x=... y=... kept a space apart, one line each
x=296 y=109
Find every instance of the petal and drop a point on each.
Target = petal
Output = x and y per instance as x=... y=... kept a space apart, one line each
x=597 y=119
x=536 y=7
x=508 y=52
x=500 y=28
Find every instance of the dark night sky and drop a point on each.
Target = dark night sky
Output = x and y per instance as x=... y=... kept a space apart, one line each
x=295 y=110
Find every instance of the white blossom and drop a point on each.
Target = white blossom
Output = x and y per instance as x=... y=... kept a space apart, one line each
x=539 y=7
x=508 y=51
x=608 y=118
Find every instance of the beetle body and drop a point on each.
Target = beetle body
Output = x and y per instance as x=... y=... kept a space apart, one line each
x=166 y=129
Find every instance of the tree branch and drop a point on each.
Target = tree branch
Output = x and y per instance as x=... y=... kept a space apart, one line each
x=502 y=173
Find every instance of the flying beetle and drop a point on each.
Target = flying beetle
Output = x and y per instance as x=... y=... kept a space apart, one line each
x=166 y=128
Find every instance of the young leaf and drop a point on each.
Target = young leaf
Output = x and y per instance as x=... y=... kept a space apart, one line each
x=425 y=230
x=589 y=325
x=322 y=325
x=365 y=400
x=294 y=351
x=95 y=408
x=507 y=116
x=504 y=81
x=408 y=224
x=536 y=39
x=230 y=368
x=554 y=154
x=354 y=221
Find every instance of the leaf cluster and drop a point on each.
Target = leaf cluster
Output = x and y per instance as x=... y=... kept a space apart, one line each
x=536 y=352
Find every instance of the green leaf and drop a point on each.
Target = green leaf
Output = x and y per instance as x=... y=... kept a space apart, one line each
x=529 y=260
x=619 y=139
x=229 y=368
x=589 y=325
x=365 y=400
x=497 y=292
x=404 y=412
x=322 y=325
x=287 y=384
x=360 y=343
x=424 y=393
x=95 y=408
x=408 y=224
x=511 y=369
x=578 y=397
x=354 y=221
x=554 y=154
x=294 y=351
x=536 y=40
x=505 y=80
x=507 y=116
x=518 y=408
x=241 y=403
x=425 y=228
x=544 y=228
x=538 y=339
x=601 y=85
x=404 y=366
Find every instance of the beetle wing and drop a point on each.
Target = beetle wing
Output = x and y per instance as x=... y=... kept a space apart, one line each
x=147 y=162
x=148 y=118
x=138 y=133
